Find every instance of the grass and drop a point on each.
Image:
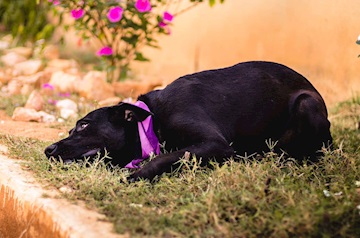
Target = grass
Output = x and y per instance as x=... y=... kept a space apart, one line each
x=273 y=197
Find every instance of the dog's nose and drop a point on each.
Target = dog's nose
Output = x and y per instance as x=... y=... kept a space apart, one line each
x=50 y=150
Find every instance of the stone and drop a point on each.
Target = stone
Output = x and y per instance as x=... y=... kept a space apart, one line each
x=134 y=88
x=37 y=80
x=4 y=45
x=24 y=51
x=29 y=114
x=65 y=189
x=26 y=89
x=67 y=104
x=47 y=118
x=67 y=108
x=12 y=58
x=109 y=101
x=67 y=113
x=94 y=86
x=64 y=82
x=62 y=64
x=51 y=52
x=28 y=67
x=4 y=78
x=35 y=101
x=14 y=87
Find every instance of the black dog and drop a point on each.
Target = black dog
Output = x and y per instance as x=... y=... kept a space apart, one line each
x=212 y=114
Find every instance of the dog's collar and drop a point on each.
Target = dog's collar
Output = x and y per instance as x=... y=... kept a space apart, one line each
x=149 y=141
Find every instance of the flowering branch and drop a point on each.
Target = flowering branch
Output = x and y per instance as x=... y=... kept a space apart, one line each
x=122 y=27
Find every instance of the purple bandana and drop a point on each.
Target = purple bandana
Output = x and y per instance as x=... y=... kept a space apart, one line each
x=149 y=141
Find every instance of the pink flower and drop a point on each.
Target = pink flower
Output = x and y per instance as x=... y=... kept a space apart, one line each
x=168 y=17
x=162 y=24
x=52 y=101
x=115 y=14
x=64 y=95
x=49 y=86
x=77 y=13
x=105 y=51
x=143 y=5
x=55 y=2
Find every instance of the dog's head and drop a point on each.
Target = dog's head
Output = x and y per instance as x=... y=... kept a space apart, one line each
x=113 y=129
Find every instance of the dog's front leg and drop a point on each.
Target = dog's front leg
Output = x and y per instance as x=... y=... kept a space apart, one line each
x=163 y=163
x=166 y=163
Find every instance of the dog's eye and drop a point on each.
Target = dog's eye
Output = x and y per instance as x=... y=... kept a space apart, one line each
x=82 y=126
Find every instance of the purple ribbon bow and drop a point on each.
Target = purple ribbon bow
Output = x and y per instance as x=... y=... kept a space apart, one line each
x=149 y=141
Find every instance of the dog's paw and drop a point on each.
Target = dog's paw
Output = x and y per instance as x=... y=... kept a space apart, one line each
x=138 y=176
x=132 y=179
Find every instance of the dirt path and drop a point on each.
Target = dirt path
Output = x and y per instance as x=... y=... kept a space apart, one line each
x=41 y=131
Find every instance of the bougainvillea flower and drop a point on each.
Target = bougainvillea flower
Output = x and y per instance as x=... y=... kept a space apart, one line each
x=143 y=5
x=64 y=95
x=55 y=2
x=52 y=101
x=168 y=17
x=162 y=24
x=48 y=86
x=105 y=51
x=77 y=13
x=115 y=14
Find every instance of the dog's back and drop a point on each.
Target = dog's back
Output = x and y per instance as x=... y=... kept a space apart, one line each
x=248 y=103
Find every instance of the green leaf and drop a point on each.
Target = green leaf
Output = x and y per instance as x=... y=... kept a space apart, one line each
x=139 y=57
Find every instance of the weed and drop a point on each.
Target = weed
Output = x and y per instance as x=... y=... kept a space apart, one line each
x=244 y=197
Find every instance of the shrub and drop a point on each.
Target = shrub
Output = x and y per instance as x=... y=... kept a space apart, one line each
x=122 y=28
x=26 y=20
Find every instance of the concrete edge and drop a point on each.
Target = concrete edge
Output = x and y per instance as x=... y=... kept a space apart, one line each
x=73 y=221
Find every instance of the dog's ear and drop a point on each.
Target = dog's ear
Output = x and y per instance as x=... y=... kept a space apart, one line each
x=128 y=112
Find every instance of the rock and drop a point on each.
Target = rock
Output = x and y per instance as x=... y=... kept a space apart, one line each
x=35 y=101
x=14 y=87
x=67 y=104
x=23 y=51
x=4 y=78
x=29 y=114
x=12 y=58
x=4 y=45
x=26 y=89
x=65 y=189
x=64 y=82
x=37 y=80
x=62 y=64
x=94 y=86
x=51 y=52
x=109 y=101
x=134 y=88
x=28 y=67
x=67 y=113
x=68 y=108
x=47 y=118
x=26 y=114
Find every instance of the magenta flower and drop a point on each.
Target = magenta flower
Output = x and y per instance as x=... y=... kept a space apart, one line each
x=105 y=51
x=115 y=14
x=52 y=101
x=49 y=86
x=143 y=5
x=55 y=2
x=162 y=24
x=77 y=13
x=168 y=17
x=64 y=95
